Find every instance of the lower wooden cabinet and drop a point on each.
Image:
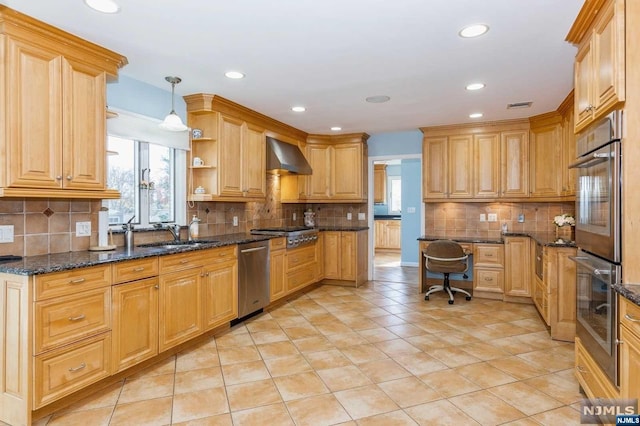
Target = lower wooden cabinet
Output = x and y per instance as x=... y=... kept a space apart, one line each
x=592 y=379
x=488 y=270
x=135 y=322
x=629 y=349
x=388 y=234
x=345 y=256
x=220 y=294
x=180 y=311
x=277 y=271
x=517 y=267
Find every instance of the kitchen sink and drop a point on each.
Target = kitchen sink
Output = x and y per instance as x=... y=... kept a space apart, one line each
x=178 y=244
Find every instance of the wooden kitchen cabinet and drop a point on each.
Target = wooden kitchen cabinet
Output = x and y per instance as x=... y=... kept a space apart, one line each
x=220 y=287
x=599 y=72
x=514 y=164
x=569 y=176
x=339 y=165
x=545 y=161
x=517 y=268
x=447 y=167
x=488 y=270
x=277 y=270
x=591 y=378
x=486 y=165
x=387 y=234
x=55 y=115
x=345 y=257
x=629 y=349
x=380 y=183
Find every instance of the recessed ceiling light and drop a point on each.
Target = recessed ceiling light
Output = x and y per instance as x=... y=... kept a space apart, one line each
x=475 y=86
x=474 y=30
x=298 y=109
x=377 y=99
x=336 y=128
x=104 y=6
x=475 y=115
x=234 y=74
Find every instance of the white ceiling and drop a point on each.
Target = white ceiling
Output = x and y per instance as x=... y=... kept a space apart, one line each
x=329 y=55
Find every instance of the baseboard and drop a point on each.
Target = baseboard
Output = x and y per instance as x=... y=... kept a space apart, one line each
x=412 y=264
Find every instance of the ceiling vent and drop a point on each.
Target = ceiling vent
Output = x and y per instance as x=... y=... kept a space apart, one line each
x=518 y=105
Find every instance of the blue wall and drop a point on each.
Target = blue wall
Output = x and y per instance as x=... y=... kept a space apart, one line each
x=142 y=98
x=411 y=179
x=395 y=143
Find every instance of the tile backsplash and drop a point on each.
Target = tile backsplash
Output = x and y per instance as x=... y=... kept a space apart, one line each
x=463 y=219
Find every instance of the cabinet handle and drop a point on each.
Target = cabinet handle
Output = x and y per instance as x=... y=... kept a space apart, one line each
x=138 y=269
x=77 y=281
x=157 y=287
x=630 y=318
x=183 y=261
x=69 y=177
x=78 y=318
x=581 y=370
x=78 y=368
x=488 y=255
x=488 y=279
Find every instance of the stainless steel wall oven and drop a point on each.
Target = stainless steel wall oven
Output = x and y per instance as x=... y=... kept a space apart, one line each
x=598 y=236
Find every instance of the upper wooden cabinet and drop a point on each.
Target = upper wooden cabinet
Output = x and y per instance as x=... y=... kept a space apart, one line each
x=447 y=166
x=380 y=183
x=54 y=113
x=599 y=74
x=545 y=162
x=339 y=165
x=514 y=163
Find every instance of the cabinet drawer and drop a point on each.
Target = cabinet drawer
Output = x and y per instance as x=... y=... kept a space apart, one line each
x=277 y=243
x=593 y=380
x=301 y=256
x=629 y=315
x=134 y=270
x=66 y=319
x=63 y=371
x=220 y=255
x=73 y=281
x=300 y=278
x=182 y=261
x=488 y=255
x=490 y=280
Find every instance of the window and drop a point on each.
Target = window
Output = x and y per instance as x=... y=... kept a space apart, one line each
x=145 y=174
x=394 y=186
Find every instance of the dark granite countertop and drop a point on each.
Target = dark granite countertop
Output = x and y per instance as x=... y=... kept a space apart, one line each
x=544 y=238
x=630 y=291
x=342 y=228
x=387 y=217
x=43 y=264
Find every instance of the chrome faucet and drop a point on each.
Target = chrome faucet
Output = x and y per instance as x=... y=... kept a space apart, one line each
x=173 y=228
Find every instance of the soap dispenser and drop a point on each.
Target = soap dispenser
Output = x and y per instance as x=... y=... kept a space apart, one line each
x=194 y=229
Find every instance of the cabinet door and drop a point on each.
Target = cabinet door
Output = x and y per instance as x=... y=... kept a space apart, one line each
x=545 y=161
x=318 y=184
x=629 y=364
x=220 y=294
x=277 y=275
x=514 y=167
x=379 y=183
x=486 y=165
x=347 y=172
x=394 y=234
x=563 y=299
x=254 y=154
x=568 y=155
x=135 y=323
x=230 y=157
x=489 y=280
x=348 y=256
x=434 y=168
x=84 y=154
x=380 y=230
x=517 y=268
x=180 y=307
x=460 y=163
x=332 y=256
x=583 y=76
x=609 y=58
x=34 y=116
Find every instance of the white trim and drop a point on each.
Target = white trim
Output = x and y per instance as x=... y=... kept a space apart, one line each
x=129 y=125
x=370 y=221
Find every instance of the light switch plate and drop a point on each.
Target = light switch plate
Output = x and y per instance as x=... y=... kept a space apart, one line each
x=83 y=229
x=492 y=217
x=521 y=217
x=295 y=216
x=235 y=220
x=483 y=217
x=411 y=209
x=349 y=216
x=362 y=216
x=6 y=234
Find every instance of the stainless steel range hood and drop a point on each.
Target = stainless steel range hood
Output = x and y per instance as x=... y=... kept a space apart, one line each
x=285 y=158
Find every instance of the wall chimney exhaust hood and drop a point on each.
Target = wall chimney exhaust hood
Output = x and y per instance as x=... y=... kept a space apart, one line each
x=285 y=158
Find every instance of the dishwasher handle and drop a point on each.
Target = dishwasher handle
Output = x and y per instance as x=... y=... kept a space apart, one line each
x=253 y=249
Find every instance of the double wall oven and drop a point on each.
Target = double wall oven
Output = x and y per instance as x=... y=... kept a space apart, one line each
x=598 y=237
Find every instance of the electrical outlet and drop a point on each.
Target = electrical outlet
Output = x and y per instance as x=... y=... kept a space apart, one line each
x=492 y=217
x=295 y=216
x=349 y=216
x=6 y=234
x=362 y=216
x=411 y=209
x=235 y=220
x=83 y=229
x=483 y=217
x=521 y=218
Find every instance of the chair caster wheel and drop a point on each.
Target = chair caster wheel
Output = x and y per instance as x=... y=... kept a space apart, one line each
x=426 y=298
x=468 y=297
x=451 y=302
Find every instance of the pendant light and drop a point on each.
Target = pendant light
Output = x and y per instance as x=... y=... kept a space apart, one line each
x=172 y=122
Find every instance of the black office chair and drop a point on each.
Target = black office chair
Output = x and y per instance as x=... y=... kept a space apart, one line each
x=446 y=257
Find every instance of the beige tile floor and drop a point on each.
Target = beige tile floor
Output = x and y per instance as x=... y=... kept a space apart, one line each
x=376 y=355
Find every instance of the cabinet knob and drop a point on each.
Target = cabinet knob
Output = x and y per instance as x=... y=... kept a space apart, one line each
x=157 y=287
x=58 y=177
x=69 y=177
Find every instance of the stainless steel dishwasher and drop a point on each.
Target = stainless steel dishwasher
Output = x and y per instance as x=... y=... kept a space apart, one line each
x=253 y=277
